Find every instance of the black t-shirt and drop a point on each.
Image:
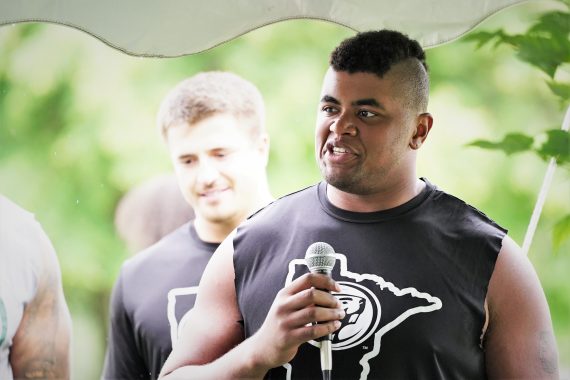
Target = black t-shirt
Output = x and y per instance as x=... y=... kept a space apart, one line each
x=414 y=280
x=155 y=290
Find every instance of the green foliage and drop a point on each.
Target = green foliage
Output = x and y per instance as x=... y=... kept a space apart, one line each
x=561 y=232
x=556 y=145
x=546 y=46
x=512 y=143
x=562 y=90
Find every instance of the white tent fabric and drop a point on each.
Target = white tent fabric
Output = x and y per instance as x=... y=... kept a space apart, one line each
x=180 y=27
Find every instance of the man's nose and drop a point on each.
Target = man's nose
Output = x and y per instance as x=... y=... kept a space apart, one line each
x=343 y=125
x=207 y=172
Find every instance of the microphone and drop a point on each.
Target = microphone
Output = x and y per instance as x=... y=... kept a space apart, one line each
x=320 y=258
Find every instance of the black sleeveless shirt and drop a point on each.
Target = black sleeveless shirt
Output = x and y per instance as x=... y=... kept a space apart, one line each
x=414 y=280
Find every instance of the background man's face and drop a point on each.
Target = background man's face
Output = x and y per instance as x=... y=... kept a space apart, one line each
x=218 y=167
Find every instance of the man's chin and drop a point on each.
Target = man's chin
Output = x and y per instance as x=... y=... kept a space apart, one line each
x=218 y=216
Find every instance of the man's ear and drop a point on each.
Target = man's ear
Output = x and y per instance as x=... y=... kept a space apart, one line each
x=263 y=147
x=423 y=126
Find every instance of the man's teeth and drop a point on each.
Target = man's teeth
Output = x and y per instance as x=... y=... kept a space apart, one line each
x=339 y=150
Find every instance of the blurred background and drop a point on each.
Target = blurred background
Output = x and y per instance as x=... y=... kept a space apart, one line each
x=77 y=131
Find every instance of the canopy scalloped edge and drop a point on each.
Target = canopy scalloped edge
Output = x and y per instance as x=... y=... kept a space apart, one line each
x=149 y=28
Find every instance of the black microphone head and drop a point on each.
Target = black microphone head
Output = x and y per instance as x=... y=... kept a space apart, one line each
x=320 y=257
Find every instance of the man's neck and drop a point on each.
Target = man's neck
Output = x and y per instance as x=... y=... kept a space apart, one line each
x=213 y=232
x=384 y=199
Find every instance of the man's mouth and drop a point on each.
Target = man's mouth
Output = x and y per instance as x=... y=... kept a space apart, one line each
x=211 y=193
x=337 y=149
x=339 y=154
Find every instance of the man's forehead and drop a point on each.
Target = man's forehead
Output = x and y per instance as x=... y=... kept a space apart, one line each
x=360 y=88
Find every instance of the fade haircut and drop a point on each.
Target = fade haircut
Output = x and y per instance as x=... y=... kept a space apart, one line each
x=383 y=51
x=212 y=93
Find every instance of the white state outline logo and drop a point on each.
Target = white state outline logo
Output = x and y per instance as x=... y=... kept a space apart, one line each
x=436 y=304
x=171 y=311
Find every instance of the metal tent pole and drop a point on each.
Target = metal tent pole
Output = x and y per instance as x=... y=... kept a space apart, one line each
x=543 y=193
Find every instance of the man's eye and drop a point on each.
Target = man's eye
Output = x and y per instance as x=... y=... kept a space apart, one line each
x=220 y=154
x=329 y=109
x=366 y=114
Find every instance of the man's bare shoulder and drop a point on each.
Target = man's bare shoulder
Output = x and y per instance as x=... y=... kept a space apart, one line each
x=520 y=340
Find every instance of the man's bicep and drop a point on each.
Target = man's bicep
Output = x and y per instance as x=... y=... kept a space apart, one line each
x=520 y=341
x=214 y=324
x=41 y=344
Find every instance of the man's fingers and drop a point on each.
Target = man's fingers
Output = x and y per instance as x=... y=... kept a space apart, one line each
x=312 y=280
x=312 y=332
x=314 y=314
x=309 y=297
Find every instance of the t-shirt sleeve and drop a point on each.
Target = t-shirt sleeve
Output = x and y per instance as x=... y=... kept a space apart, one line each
x=122 y=359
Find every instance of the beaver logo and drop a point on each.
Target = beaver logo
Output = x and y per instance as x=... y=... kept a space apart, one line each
x=362 y=316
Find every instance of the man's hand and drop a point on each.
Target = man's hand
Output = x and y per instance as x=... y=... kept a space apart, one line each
x=211 y=345
x=289 y=322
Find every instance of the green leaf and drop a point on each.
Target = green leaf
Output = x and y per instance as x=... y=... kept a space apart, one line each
x=553 y=23
x=562 y=90
x=482 y=38
x=561 y=232
x=545 y=52
x=557 y=145
x=512 y=143
x=545 y=45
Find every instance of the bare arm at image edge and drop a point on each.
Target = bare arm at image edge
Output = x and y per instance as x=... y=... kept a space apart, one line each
x=40 y=347
x=519 y=342
x=212 y=344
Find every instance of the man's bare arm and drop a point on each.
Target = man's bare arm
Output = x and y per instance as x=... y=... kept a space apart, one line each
x=520 y=341
x=212 y=345
x=40 y=347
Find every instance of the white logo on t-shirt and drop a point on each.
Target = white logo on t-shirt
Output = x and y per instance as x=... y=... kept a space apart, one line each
x=176 y=325
x=363 y=309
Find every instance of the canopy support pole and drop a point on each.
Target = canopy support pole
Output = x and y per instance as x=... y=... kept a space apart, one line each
x=543 y=193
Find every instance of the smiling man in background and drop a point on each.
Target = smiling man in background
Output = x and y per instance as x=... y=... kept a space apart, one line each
x=213 y=124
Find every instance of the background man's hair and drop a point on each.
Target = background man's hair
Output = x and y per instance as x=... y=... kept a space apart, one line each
x=208 y=94
x=378 y=52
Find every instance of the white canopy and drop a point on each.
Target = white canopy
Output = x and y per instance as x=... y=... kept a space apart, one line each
x=180 y=27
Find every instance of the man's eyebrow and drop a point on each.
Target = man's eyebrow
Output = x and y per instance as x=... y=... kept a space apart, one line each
x=361 y=102
x=329 y=99
x=368 y=102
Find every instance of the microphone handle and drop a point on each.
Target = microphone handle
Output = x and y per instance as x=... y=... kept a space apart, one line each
x=326 y=345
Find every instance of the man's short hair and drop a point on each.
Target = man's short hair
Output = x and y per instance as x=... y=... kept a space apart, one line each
x=378 y=52
x=212 y=93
